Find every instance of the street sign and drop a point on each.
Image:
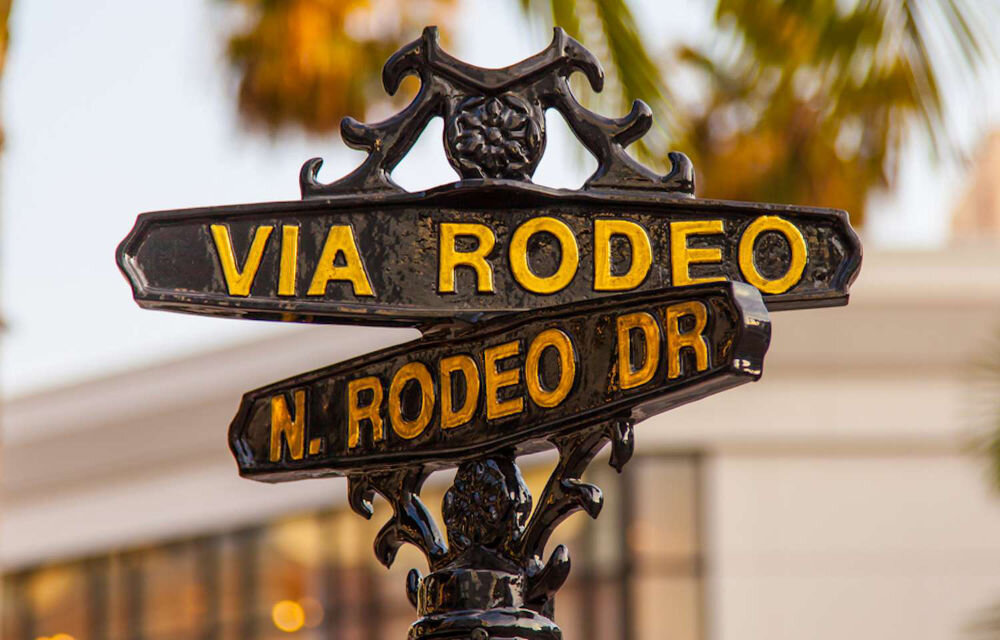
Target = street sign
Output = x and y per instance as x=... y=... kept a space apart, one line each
x=509 y=383
x=551 y=319
x=478 y=251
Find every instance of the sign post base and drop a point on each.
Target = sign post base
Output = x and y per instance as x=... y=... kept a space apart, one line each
x=477 y=604
x=490 y=589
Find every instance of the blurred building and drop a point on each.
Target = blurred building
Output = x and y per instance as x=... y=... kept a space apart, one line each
x=977 y=216
x=836 y=498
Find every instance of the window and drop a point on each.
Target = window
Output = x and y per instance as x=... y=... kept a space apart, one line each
x=637 y=574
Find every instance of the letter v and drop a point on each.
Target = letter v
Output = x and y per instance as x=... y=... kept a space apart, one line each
x=238 y=280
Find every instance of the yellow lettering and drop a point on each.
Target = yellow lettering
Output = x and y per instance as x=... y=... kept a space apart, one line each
x=496 y=380
x=282 y=424
x=628 y=376
x=682 y=256
x=449 y=258
x=411 y=428
x=356 y=413
x=570 y=257
x=340 y=240
x=567 y=368
x=642 y=255
x=689 y=339
x=289 y=256
x=239 y=281
x=450 y=417
x=795 y=241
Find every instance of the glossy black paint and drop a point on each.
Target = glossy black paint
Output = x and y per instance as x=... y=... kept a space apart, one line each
x=738 y=333
x=170 y=260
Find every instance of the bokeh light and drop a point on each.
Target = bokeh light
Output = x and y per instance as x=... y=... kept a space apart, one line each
x=313 y=612
x=288 y=616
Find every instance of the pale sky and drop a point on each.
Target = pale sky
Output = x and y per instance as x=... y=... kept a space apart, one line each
x=115 y=107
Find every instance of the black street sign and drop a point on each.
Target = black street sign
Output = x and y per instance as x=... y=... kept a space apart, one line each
x=506 y=384
x=478 y=251
x=551 y=318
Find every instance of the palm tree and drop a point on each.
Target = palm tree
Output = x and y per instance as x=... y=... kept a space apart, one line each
x=812 y=104
x=4 y=39
x=808 y=101
x=312 y=62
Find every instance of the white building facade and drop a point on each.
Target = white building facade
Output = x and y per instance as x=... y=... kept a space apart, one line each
x=836 y=498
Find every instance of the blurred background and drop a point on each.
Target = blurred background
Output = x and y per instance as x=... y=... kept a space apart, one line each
x=853 y=492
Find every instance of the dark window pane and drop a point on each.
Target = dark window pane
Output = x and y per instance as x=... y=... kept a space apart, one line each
x=291 y=561
x=57 y=598
x=173 y=596
x=607 y=618
x=17 y=614
x=665 y=524
x=666 y=607
x=569 y=610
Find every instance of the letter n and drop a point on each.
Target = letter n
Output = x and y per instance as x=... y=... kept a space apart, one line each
x=292 y=428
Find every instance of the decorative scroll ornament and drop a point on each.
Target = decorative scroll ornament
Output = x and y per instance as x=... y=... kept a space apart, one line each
x=495 y=122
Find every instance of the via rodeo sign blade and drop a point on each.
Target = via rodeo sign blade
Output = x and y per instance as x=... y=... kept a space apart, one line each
x=470 y=252
x=509 y=383
x=362 y=250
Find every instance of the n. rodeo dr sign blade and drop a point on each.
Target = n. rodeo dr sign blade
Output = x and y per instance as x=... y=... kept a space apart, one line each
x=507 y=383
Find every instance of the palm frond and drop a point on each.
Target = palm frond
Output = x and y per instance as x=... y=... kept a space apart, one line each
x=609 y=28
x=922 y=42
x=4 y=40
x=309 y=63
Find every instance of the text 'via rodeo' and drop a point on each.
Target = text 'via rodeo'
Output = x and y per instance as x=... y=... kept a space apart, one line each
x=342 y=259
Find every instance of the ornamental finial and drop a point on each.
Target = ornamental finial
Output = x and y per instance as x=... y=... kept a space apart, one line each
x=495 y=122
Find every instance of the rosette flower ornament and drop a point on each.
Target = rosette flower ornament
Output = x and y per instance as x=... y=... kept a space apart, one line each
x=487 y=506
x=498 y=137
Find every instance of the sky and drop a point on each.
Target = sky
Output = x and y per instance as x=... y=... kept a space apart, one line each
x=116 y=107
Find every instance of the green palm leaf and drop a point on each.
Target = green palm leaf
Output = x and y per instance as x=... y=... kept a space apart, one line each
x=609 y=27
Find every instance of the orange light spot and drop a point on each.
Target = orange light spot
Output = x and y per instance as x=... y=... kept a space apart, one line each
x=288 y=616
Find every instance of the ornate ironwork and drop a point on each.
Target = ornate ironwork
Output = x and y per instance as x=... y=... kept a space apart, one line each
x=488 y=576
x=493 y=582
x=495 y=122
